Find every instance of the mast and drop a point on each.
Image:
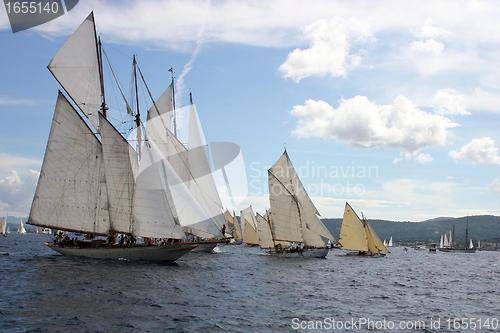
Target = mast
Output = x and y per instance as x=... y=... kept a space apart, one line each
x=173 y=101
x=101 y=77
x=467 y=233
x=137 y=116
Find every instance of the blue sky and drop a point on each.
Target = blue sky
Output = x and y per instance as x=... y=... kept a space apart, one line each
x=391 y=106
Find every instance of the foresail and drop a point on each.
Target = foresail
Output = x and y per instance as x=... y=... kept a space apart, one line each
x=352 y=233
x=119 y=176
x=373 y=240
x=71 y=192
x=76 y=67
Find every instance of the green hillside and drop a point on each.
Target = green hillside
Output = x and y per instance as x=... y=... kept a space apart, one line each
x=482 y=227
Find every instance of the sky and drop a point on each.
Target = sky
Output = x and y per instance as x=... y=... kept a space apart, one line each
x=392 y=106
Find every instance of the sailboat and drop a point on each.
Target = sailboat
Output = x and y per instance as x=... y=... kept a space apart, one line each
x=451 y=246
x=249 y=225
x=358 y=235
x=100 y=185
x=293 y=218
x=234 y=226
x=390 y=242
x=21 y=229
x=3 y=226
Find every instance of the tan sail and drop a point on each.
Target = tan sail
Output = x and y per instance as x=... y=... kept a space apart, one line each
x=264 y=232
x=249 y=225
x=358 y=235
x=352 y=232
x=375 y=244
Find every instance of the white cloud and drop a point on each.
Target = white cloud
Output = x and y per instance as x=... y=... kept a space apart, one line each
x=419 y=193
x=365 y=124
x=495 y=185
x=16 y=193
x=450 y=101
x=419 y=157
x=481 y=150
x=429 y=31
x=329 y=51
x=430 y=45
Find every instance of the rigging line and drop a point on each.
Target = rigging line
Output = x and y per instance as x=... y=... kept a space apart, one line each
x=124 y=54
x=116 y=80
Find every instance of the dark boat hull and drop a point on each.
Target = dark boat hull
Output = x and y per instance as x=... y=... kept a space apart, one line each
x=168 y=252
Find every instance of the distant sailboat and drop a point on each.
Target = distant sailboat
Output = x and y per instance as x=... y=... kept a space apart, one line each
x=390 y=242
x=3 y=226
x=358 y=235
x=21 y=229
x=451 y=247
x=249 y=226
x=234 y=226
x=293 y=218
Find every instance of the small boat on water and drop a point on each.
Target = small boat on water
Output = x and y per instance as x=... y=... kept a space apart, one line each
x=4 y=229
x=358 y=235
x=451 y=245
x=293 y=229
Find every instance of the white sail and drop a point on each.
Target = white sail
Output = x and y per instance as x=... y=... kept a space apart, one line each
x=152 y=215
x=21 y=229
x=264 y=232
x=446 y=242
x=471 y=244
x=71 y=192
x=352 y=233
x=76 y=67
x=191 y=215
x=201 y=172
x=441 y=242
x=3 y=226
x=119 y=177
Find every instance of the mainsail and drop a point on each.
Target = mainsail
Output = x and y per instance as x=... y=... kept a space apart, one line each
x=71 y=193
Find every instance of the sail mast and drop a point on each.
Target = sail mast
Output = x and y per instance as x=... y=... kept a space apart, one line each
x=101 y=76
x=173 y=101
x=137 y=116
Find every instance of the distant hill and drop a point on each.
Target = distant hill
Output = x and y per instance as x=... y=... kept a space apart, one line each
x=482 y=227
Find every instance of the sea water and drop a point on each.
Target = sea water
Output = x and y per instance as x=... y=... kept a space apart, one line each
x=242 y=289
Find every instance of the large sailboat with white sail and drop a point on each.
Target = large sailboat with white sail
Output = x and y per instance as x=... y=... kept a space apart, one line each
x=358 y=235
x=294 y=219
x=99 y=185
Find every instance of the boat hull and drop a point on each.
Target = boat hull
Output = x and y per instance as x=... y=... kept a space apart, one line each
x=169 y=252
x=364 y=254
x=306 y=253
x=207 y=246
x=458 y=250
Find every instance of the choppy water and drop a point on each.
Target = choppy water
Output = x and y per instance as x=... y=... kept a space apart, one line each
x=242 y=289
